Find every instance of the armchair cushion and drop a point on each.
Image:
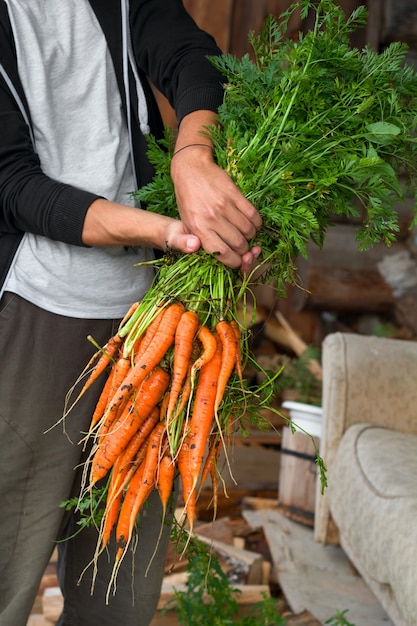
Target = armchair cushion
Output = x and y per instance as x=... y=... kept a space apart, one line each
x=373 y=501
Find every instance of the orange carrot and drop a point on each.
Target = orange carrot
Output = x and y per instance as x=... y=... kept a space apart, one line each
x=215 y=447
x=107 y=355
x=136 y=346
x=124 y=468
x=116 y=440
x=102 y=402
x=210 y=467
x=138 y=458
x=109 y=350
x=178 y=419
x=209 y=348
x=164 y=484
x=183 y=346
x=111 y=417
x=189 y=492
x=164 y=335
x=193 y=448
x=116 y=376
x=185 y=394
x=140 y=487
x=149 y=334
x=123 y=530
x=129 y=314
x=121 y=368
x=163 y=407
x=128 y=455
x=229 y=349
x=165 y=480
x=203 y=410
x=113 y=501
x=128 y=470
x=162 y=341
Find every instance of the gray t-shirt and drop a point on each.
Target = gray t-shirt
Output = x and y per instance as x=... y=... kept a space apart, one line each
x=81 y=139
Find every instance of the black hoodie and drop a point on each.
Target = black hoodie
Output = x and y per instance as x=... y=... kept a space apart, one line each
x=168 y=47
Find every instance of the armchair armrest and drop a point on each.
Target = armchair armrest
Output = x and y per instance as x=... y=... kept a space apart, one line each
x=365 y=379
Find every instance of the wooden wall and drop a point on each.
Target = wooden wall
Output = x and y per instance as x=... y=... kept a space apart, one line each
x=229 y=21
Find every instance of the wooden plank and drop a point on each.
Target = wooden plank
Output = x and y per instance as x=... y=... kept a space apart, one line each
x=219 y=529
x=313 y=577
x=296 y=514
x=298 y=471
x=340 y=278
x=248 y=562
x=252 y=503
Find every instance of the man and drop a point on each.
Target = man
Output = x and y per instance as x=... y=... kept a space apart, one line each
x=75 y=106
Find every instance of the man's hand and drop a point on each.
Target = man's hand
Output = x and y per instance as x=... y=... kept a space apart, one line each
x=213 y=208
x=210 y=204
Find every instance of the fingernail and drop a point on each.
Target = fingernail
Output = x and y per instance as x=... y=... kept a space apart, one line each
x=191 y=243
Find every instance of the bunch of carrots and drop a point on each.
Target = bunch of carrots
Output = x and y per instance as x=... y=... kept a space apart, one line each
x=174 y=391
x=167 y=407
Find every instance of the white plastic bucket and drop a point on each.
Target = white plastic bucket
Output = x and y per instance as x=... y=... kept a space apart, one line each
x=306 y=416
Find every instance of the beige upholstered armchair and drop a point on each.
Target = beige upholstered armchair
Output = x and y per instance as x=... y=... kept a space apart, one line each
x=369 y=445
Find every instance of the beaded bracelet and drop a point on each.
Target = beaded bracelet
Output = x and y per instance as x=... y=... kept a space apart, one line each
x=190 y=145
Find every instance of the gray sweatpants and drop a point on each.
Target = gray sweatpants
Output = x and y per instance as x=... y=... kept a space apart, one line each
x=41 y=356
